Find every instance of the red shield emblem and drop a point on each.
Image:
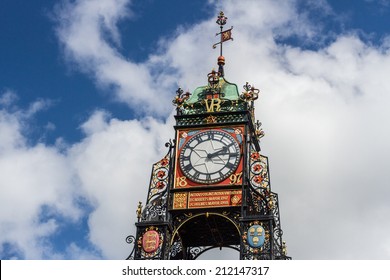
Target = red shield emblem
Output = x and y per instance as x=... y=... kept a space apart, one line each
x=150 y=241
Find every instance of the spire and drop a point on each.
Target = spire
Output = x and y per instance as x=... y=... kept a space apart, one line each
x=226 y=35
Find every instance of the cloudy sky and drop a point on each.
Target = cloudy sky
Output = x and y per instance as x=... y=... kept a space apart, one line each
x=85 y=109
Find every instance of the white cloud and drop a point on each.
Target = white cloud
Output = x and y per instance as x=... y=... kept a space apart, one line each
x=113 y=165
x=326 y=120
x=33 y=177
x=41 y=185
x=86 y=29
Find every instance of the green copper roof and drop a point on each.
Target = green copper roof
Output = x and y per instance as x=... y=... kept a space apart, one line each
x=229 y=90
x=218 y=96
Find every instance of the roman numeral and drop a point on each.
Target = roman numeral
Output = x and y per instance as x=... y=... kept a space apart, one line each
x=233 y=155
x=185 y=158
x=210 y=136
x=229 y=165
x=187 y=167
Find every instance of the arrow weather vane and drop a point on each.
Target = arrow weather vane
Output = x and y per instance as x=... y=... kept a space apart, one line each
x=225 y=35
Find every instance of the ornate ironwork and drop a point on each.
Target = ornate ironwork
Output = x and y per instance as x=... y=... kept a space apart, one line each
x=198 y=107
x=225 y=35
x=176 y=250
x=256 y=203
x=180 y=99
x=221 y=20
x=259 y=131
x=196 y=252
x=156 y=205
x=221 y=119
x=250 y=94
x=179 y=249
x=131 y=240
x=280 y=250
x=259 y=175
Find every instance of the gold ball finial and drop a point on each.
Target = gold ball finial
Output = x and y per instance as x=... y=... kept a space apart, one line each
x=221 y=60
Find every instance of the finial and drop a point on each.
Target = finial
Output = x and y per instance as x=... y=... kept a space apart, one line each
x=271 y=204
x=221 y=20
x=259 y=132
x=221 y=63
x=225 y=36
x=213 y=79
x=139 y=211
x=180 y=98
x=251 y=93
x=284 y=248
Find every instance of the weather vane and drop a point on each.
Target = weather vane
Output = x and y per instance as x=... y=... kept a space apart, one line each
x=225 y=35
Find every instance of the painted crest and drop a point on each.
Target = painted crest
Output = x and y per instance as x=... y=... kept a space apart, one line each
x=150 y=241
x=256 y=236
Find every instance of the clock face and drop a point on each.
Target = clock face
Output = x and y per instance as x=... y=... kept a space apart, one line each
x=209 y=156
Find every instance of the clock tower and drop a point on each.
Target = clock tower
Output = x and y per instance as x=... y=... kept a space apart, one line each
x=212 y=189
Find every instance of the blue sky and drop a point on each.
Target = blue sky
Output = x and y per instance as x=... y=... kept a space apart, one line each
x=33 y=59
x=85 y=109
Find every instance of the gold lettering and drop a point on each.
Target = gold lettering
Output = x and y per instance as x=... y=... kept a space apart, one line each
x=213 y=198
x=213 y=105
x=181 y=181
x=235 y=178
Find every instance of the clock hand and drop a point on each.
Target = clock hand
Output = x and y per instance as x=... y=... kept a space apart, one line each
x=222 y=151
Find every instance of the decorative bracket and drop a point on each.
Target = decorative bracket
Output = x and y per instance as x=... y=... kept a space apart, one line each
x=180 y=98
x=250 y=94
x=131 y=240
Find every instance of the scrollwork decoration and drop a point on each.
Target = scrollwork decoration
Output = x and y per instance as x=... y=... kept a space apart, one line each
x=180 y=99
x=250 y=93
x=131 y=240
x=156 y=205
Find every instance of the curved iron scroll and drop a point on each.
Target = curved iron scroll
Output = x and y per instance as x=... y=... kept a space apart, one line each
x=131 y=240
